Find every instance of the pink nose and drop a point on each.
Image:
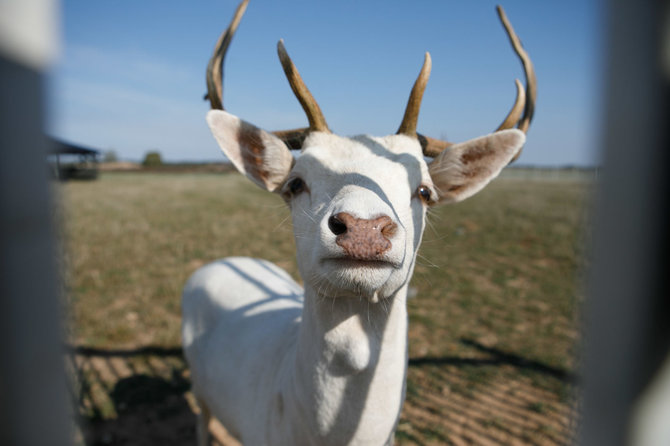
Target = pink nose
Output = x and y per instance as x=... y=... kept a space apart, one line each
x=362 y=239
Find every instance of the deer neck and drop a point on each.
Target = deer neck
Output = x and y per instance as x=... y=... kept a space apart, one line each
x=351 y=363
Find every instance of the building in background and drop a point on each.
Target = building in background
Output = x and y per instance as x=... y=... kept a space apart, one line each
x=71 y=162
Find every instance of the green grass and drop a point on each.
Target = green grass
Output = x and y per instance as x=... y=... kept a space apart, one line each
x=498 y=275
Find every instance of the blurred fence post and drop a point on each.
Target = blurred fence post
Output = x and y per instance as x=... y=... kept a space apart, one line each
x=34 y=406
x=627 y=334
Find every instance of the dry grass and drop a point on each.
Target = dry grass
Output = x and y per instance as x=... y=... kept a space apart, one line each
x=133 y=239
x=492 y=331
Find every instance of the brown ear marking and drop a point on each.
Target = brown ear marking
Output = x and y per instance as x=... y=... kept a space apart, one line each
x=252 y=150
x=475 y=172
x=474 y=155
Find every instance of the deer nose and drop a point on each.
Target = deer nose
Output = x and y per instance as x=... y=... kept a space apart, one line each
x=362 y=239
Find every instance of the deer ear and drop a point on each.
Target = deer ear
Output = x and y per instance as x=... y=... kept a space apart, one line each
x=258 y=154
x=464 y=169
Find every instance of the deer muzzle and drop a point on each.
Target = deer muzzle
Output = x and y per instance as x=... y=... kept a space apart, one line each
x=362 y=239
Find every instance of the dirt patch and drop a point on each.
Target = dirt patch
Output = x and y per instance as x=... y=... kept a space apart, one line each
x=500 y=411
x=142 y=397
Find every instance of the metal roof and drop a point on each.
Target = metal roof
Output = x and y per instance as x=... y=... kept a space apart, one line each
x=61 y=147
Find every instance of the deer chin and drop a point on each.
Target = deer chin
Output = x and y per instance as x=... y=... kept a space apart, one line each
x=359 y=278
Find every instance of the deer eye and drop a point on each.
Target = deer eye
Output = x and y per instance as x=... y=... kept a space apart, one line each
x=425 y=194
x=294 y=187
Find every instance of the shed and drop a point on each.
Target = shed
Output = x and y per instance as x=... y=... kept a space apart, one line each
x=70 y=161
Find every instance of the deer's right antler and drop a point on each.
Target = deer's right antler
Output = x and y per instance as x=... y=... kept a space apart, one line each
x=292 y=138
x=317 y=122
x=214 y=76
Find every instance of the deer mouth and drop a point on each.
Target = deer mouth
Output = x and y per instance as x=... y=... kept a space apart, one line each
x=354 y=262
x=354 y=277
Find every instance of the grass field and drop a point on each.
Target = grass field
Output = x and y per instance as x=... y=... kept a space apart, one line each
x=493 y=327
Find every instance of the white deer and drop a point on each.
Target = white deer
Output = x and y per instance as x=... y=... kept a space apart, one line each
x=327 y=365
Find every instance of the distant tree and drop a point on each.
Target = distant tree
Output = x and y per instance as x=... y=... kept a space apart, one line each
x=152 y=159
x=110 y=156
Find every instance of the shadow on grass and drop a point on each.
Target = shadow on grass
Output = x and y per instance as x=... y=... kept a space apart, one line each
x=496 y=357
x=131 y=397
x=141 y=396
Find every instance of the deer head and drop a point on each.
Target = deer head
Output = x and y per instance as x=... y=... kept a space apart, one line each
x=359 y=203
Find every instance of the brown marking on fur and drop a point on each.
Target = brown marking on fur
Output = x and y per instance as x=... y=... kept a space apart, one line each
x=252 y=150
x=365 y=239
x=474 y=155
x=455 y=187
x=474 y=172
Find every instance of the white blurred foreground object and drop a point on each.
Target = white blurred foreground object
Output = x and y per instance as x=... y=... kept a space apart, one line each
x=33 y=398
x=651 y=425
x=626 y=387
x=28 y=32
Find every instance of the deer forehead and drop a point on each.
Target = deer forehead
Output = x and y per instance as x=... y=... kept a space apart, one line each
x=395 y=159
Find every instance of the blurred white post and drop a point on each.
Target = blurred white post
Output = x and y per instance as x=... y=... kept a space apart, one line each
x=627 y=335
x=34 y=407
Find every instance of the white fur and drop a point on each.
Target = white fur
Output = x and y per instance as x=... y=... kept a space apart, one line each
x=327 y=366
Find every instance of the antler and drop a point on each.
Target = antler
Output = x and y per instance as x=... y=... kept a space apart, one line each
x=293 y=138
x=531 y=80
x=214 y=74
x=317 y=122
x=409 y=120
x=525 y=99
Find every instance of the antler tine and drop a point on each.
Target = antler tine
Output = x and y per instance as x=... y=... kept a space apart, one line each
x=411 y=117
x=519 y=106
x=215 y=65
x=317 y=122
x=529 y=71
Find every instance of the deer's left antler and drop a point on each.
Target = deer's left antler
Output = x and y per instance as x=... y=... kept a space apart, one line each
x=524 y=103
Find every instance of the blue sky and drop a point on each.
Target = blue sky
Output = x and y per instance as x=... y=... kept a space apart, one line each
x=130 y=76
